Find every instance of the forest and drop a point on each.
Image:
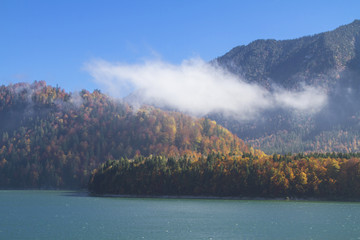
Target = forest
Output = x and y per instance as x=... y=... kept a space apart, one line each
x=322 y=176
x=53 y=139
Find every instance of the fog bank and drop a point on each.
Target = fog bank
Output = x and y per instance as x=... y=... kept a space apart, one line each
x=199 y=88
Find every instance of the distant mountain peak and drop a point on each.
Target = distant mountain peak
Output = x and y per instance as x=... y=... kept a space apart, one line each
x=356 y=22
x=286 y=62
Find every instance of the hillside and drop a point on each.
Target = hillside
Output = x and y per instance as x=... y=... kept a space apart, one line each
x=54 y=139
x=328 y=60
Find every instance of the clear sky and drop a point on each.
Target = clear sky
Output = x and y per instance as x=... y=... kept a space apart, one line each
x=52 y=40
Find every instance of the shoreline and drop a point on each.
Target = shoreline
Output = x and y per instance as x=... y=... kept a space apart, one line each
x=84 y=192
x=192 y=197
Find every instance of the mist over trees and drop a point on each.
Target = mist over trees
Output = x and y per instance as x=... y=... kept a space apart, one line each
x=50 y=138
x=54 y=139
x=299 y=95
x=327 y=60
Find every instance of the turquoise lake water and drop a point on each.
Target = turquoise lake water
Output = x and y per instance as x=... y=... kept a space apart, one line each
x=71 y=215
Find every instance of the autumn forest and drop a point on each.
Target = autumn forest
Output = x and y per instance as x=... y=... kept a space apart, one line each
x=51 y=139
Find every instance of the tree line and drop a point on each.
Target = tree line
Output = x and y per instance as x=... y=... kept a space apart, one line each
x=331 y=176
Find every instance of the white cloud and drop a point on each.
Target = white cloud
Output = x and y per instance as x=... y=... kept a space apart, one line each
x=199 y=88
x=309 y=99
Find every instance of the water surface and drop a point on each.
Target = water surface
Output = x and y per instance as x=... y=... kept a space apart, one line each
x=71 y=215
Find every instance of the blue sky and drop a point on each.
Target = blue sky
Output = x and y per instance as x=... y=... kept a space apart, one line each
x=52 y=40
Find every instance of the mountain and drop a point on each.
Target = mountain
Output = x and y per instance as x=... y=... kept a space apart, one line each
x=303 y=60
x=54 y=139
x=330 y=61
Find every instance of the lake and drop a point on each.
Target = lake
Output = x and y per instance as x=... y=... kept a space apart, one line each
x=72 y=215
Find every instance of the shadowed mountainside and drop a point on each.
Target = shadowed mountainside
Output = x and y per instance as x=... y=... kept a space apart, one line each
x=328 y=60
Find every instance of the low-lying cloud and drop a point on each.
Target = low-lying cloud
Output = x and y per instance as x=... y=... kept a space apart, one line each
x=200 y=88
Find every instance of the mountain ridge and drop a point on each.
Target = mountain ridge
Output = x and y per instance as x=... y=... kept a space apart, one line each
x=328 y=60
x=277 y=55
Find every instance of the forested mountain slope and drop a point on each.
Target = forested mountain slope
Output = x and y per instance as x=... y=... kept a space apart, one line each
x=330 y=61
x=54 y=139
x=291 y=62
